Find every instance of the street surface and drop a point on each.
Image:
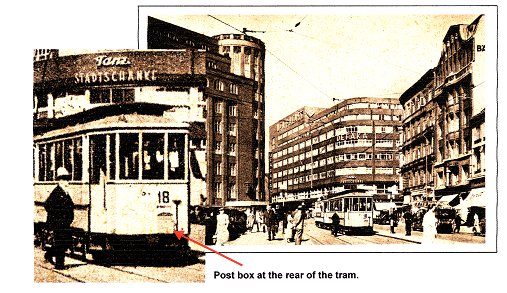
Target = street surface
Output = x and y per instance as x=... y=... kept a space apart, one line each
x=170 y=272
x=317 y=236
x=95 y=272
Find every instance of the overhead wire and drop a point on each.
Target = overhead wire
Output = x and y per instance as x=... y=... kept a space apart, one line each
x=244 y=31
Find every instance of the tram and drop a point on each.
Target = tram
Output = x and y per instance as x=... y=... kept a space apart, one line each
x=353 y=207
x=129 y=170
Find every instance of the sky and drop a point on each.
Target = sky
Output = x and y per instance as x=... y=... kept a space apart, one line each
x=331 y=57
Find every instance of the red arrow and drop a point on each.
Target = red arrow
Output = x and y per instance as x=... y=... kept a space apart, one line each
x=180 y=234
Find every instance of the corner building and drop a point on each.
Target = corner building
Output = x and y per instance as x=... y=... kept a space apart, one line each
x=234 y=110
x=315 y=152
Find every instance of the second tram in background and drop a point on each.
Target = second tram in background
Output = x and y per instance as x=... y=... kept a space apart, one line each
x=353 y=207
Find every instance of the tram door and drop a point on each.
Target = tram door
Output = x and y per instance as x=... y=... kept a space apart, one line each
x=98 y=179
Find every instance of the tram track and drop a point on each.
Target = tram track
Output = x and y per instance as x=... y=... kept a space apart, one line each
x=58 y=272
x=377 y=238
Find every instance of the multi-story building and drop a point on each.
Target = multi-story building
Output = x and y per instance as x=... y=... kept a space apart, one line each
x=444 y=130
x=417 y=156
x=234 y=98
x=315 y=151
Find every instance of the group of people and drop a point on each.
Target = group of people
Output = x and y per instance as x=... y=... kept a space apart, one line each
x=269 y=221
x=429 y=224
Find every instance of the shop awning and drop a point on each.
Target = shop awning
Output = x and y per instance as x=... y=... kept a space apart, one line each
x=448 y=199
x=477 y=198
x=384 y=206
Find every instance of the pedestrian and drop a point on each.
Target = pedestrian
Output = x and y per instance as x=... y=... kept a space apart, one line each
x=289 y=230
x=270 y=220
x=407 y=216
x=457 y=222
x=257 y=220
x=250 y=218
x=298 y=221
x=60 y=214
x=476 y=229
x=429 y=227
x=392 y=221
x=222 y=231
x=335 y=224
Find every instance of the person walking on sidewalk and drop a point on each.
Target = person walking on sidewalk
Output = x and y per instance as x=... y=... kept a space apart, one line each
x=457 y=222
x=335 y=224
x=429 y=227
x=392 y=221
x=60 y=214
x=222 y=232
x=408 y=222
x=271 y=221
x=476 y=229
x=289 y=230
x=298 y=220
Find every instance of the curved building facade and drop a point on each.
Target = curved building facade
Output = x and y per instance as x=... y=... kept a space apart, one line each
x=314 y=152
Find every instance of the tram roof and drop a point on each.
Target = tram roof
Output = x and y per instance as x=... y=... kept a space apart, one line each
x=123 y=121
x=131 y=114
x=349 y=192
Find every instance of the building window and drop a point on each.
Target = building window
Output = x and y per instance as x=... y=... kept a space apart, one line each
x=232 y=149
x=218 y=107
x=218 y=189
x=232 y=169
x=217 y=127
x=232 y=129
x=218 y=168
x=233 y=89
x=233 y=110
x=218 y=147
x=219 y=85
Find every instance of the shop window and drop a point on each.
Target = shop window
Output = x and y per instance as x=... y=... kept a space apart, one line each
x=100 y=96
x=123 y=96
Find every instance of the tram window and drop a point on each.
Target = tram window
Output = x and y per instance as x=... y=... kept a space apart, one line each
x=176 y=145
x=129 y=156
x=112 y=156
x=42 y=162
x=153 y=156
x=97 y=158
x=58 y=154
x=68 y=149
x=346 y=204
x=355 y=204
x=77 y=171
x=362 y=204
x=50 y=159
x=368 y=204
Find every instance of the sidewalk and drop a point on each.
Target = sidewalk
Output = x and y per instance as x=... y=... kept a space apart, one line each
x=261 y=238
x=465 y=236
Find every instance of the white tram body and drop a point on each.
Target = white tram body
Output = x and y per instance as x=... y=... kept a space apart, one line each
x=354 y=208
x=130 y=177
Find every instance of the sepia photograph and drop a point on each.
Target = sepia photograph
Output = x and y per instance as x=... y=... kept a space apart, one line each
x=231 y=131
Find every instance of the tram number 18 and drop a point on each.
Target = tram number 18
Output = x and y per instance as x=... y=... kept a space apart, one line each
x=163 y=196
